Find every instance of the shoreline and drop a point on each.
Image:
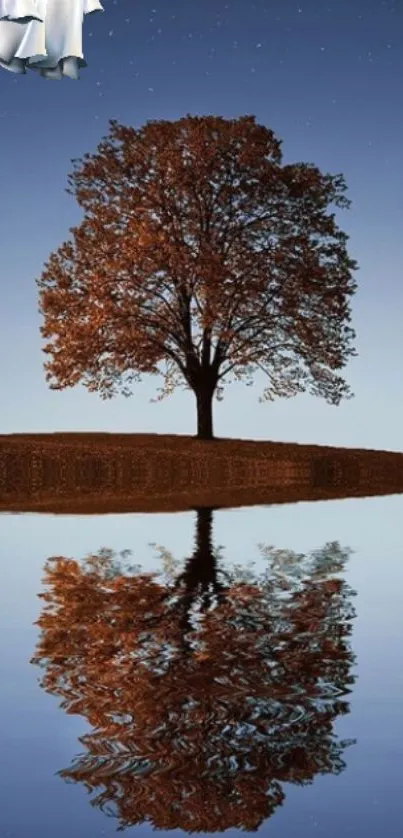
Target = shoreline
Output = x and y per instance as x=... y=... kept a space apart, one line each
x=168 y=441
x=99 y=473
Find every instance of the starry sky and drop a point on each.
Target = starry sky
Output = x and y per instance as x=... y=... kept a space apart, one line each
x=326 y=77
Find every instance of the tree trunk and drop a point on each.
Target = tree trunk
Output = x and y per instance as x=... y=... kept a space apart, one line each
x=204 y=398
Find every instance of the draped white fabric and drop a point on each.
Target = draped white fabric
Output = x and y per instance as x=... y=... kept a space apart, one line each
x=17 y=9
x=48 y=39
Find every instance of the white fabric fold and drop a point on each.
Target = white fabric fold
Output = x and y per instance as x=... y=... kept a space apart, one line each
x=50 y=44
x=19 y=9
x=90 y=6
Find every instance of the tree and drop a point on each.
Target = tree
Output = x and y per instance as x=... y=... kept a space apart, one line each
x=200 y=251
x=207 y=688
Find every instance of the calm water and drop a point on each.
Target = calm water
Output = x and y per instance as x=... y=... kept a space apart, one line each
x=246 y=673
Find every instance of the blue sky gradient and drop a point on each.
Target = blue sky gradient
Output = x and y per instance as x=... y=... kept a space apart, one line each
x=326 y=79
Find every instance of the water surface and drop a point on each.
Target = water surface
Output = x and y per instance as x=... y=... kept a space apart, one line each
x=245 y=662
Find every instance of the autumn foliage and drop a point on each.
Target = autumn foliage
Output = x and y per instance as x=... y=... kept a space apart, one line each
x=200 y=256
x=207 y=689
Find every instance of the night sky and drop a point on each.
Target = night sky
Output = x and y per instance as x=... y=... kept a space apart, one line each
x=327 y=78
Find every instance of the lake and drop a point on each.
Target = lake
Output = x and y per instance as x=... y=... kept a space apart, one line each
x=240 y=669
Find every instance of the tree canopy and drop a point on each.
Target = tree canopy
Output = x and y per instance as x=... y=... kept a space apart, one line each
x=200 y=257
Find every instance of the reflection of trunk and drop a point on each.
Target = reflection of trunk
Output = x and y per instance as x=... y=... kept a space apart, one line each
x=199 y=579
x=204 y=398
x=201 y=569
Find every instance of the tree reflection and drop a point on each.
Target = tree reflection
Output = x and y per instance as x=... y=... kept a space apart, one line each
x=206 y=688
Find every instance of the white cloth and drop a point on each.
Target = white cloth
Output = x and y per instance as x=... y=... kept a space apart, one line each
x=51 y=44
x=17 y=9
